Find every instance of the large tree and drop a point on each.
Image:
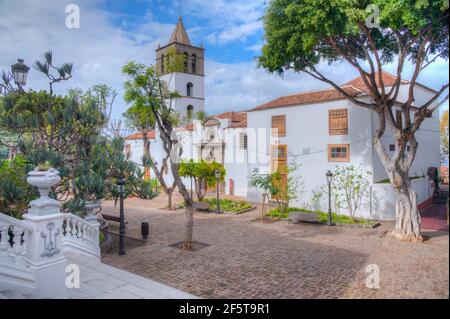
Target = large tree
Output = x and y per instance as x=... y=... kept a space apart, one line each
x=146 y=85
x=300 y=34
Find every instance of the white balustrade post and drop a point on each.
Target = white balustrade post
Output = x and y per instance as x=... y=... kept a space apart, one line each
x=44 y=247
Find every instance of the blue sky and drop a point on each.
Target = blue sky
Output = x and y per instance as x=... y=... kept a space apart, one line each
x=114 y=32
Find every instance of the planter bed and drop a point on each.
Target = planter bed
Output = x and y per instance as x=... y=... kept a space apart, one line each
x=322 y=218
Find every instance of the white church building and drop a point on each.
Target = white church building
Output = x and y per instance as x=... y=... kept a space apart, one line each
x=318 y=130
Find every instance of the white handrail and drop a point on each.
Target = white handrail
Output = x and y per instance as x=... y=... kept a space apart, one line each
x=13 y=221
x=81 y=236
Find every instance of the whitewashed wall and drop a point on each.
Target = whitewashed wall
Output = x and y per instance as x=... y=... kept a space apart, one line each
x=178 y=82
x=236 y=162
x=307 y=140
x=383 y=198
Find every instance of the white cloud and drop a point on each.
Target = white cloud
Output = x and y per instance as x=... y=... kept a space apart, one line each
x=98 y=49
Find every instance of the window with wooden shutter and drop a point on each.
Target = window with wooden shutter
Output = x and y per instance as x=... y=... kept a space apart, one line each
x=279 y=125
x=279 y=165
x=338 y=122
x=339 y=153
x=399 y=119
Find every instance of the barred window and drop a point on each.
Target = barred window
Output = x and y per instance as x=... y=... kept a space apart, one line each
x=243 y=141
x=338 y=122
x=279 y=125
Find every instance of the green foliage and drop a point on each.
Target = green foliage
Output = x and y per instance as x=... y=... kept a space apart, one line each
x=15 y=192
x=298 y=32
x=322 y=217
x=141 y=188
x=228 y=205
x=203 y=173
x=273 y=185
x=349 y=184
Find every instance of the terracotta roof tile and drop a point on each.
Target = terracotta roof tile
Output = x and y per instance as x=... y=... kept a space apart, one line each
x=242 y=124
x=233 y=116
x=388 y=80
x=355 y=87
x=139 y=136
x=309 y=98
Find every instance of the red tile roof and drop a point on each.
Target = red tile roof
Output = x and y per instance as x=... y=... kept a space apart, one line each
x=140 y=136
x=242 y=124
x=309 y=98
x=388 y=80
x=233 y=116
x=355 y=87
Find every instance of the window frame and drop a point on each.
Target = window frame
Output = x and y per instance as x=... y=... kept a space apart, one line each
x=338 y=159
x=243 y=141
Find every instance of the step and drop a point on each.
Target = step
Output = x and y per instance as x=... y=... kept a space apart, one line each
x=9 y=294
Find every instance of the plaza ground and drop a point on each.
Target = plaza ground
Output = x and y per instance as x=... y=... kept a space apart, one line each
x=247 y=259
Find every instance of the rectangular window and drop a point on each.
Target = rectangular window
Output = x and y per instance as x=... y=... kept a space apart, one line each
x=338 y=152
x=399 y=119
x=279 y=125
x=392 y=147
x=338 y=122
x=243 y=141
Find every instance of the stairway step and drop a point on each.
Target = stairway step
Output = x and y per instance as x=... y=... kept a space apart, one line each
x=9 y=294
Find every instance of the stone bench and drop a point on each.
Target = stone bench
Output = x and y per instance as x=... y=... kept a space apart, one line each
x=297 y=218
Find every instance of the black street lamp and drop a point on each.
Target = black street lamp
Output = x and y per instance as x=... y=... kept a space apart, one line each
x=121 y=187
x=329 y=176
x=156 y=184
x=217 y=173
x=20 y=72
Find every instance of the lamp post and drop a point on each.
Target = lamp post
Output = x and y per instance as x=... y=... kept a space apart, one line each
x=329 y=176
x=217 y=173
x=156 y=184
x=121 y=187
x=19 y=71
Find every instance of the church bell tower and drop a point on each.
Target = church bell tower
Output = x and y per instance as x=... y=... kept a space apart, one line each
x=189 y=82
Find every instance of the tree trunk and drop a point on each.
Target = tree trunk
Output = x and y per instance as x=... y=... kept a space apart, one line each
x=189 y=206
x=407 y=217
x=169 y=199
x=147 y=155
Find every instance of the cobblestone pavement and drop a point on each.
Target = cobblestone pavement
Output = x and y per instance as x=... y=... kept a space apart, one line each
x=248 y=259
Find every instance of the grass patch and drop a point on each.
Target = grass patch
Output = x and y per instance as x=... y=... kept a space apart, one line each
x=321 y=216
x=228 y=205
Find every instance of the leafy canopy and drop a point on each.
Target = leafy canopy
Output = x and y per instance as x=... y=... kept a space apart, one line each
x=297 y=32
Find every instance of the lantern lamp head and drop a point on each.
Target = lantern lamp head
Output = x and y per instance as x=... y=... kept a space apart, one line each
x=20 y=72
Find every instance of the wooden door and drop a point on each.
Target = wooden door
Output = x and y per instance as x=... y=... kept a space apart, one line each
x=279 y=164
